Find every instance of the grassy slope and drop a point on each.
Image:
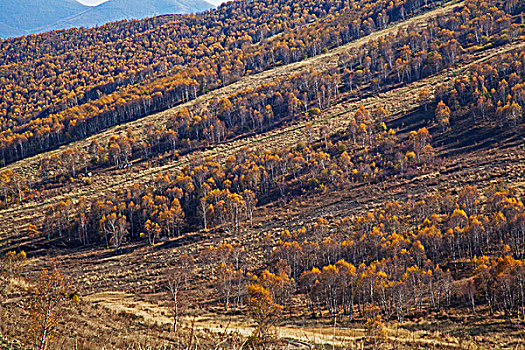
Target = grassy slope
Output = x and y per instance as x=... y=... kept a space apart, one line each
x=137 y=271
x=398 y=101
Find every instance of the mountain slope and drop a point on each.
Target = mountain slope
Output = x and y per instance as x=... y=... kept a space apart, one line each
x=36 y=16
x=22 y=17
x=115 y=10
x=345 y=182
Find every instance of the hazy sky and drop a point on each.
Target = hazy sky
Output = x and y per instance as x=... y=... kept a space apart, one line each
x=96 y=2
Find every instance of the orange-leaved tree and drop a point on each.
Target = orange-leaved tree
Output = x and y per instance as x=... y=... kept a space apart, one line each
x=443 y=115
x=46 y=300
x=264 y=310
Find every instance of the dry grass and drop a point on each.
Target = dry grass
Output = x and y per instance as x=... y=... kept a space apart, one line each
x=121 y=302
x=153 y=314
x=138 y=317
x=113 y=181
x=397 y=101
x=413 y=334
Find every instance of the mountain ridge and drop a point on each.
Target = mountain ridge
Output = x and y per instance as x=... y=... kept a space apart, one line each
x=21 y=17
x=37 y=16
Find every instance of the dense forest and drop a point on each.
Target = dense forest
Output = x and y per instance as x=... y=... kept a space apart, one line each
x=64 y=94
x=409 y=55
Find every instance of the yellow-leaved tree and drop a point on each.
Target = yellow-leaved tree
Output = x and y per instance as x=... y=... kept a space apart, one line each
x=10 y=266
x=264 y=310
x=46 y=300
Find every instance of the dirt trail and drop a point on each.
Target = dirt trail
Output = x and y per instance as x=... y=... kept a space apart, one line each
x=307 y=337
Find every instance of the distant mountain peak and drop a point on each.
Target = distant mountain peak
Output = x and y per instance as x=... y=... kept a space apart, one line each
x=34 y=16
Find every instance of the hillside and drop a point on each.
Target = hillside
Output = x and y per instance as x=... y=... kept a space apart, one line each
x=321 y=174
x=37 y=16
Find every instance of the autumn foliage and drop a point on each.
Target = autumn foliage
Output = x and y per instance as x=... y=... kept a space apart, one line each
x=379 y=257
x=47 y=298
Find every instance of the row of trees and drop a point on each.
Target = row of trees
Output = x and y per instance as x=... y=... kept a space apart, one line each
x=494 y=91
x=416 y=52
x=383 y=287
x=388 y=262
x=390 y=259
x=161 y=67
x=387 y=288
x=439 y=224
x=212 y=193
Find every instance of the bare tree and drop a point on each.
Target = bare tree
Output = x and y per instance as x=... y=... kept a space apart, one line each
x=175 y=281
